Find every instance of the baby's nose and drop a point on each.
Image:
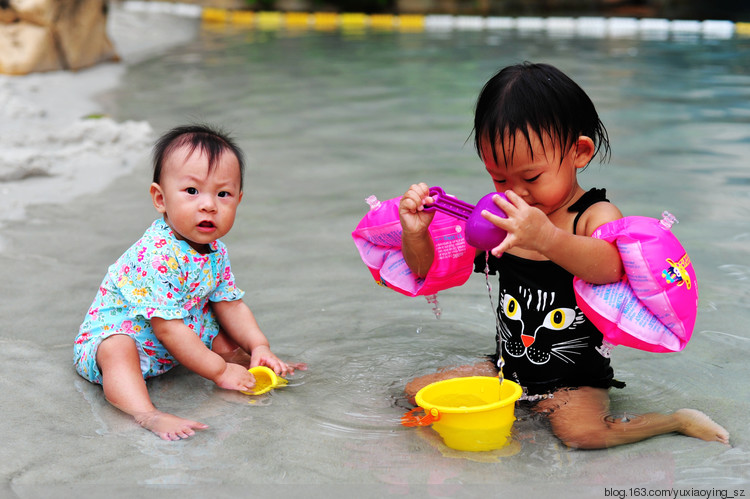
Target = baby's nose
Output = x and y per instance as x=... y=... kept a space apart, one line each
x=208 y=203
x=520 y=190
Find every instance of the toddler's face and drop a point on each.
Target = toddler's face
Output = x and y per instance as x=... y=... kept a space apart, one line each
x=198 y=205
x=541 y=179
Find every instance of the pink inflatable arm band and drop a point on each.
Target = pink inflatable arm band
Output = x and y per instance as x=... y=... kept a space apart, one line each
x=378 y=239
x=654 y=306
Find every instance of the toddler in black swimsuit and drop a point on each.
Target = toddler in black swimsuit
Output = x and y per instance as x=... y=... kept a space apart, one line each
x=534 y=129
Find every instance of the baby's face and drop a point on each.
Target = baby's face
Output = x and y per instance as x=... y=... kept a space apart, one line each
x=538 y=172
x=198 y=205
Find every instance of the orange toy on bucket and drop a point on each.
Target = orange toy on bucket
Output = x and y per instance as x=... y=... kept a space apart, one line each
x=474 y=413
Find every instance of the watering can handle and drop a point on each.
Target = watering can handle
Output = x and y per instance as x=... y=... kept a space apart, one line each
x=410 y=419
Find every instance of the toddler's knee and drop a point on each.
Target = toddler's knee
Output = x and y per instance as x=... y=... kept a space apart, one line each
x=583 y=438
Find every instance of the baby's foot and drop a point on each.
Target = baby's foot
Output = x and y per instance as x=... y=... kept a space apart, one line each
x=696 y=424
x=168 y=426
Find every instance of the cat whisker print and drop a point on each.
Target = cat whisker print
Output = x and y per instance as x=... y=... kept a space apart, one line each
x=570 y=347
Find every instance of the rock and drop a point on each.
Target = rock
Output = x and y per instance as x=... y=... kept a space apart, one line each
x=40 y=12
x=49 y=35
x=27 y=48
x=7 y=15
x=81 y=29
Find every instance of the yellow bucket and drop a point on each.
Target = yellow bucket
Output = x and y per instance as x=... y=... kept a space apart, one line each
x=474 y=413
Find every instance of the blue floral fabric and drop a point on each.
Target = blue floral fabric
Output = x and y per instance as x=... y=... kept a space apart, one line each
x=159 y=276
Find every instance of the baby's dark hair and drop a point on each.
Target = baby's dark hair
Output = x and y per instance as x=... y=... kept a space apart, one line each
x=539 y=99
x=206 y=138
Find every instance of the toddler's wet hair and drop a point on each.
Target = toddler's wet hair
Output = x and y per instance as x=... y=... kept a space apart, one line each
x=211 y=140
x=539 y=99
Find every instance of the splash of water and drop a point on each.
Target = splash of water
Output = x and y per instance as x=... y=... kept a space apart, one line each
x=433 y=300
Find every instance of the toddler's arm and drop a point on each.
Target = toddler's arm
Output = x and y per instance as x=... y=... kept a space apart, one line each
x=189 y=350
x=416 y=244
x=238 y=322
x=588 y=258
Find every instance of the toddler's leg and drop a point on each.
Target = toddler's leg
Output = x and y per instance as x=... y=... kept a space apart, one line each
x=580 y=418
x=125 y=388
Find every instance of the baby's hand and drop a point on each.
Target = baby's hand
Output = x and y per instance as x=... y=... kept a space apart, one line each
x=262 y=356
x=528 y=227
x=410 y=209
x=235 y=377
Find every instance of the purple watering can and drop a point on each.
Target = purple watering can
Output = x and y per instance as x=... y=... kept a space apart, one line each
x=480 y=233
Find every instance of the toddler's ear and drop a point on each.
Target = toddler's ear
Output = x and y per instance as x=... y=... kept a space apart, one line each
x=585 y=150
x=157 y=196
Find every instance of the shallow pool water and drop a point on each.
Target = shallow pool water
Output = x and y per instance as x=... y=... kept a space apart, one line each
x=329 y=118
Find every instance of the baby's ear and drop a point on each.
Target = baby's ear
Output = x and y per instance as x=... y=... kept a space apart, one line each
x=585 y=150
x=157 y=197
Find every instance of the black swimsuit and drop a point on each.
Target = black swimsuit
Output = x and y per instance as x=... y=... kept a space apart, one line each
x=547 y=341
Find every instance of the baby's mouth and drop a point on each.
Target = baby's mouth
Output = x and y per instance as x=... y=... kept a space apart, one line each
x=206 y=224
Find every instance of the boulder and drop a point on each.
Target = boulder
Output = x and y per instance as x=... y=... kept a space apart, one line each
x=40 y=12
x=49 y=35
x=27 y=48
x=81 y=29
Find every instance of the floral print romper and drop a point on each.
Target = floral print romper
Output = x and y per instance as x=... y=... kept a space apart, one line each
x=159 y=276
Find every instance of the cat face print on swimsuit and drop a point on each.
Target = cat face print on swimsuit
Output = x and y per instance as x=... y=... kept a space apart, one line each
x=535 y=326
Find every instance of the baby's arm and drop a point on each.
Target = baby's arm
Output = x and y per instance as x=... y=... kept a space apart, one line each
x=593 y=260
x=238 y=322
x=416 y=244
x=189 y=350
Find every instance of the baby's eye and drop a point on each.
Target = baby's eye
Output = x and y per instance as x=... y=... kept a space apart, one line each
x=498 y=181
x=534 y=178
x=191 y=190
x=223 y=194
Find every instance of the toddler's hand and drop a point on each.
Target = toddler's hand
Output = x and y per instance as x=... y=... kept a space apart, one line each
x=235 y=377
x=528 y=227
x=410 y=209
x=262 y=356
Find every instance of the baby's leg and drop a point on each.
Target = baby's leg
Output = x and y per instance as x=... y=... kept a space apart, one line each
x=580 y=418
x=125 y=388
x=486 y=368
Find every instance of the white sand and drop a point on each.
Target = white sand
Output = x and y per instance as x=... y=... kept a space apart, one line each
x=49 y=151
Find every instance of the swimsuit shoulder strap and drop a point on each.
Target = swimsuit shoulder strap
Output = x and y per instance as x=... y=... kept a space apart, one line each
x=589 y=199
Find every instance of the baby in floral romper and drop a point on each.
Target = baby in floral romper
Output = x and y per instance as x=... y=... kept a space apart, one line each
x=171 y=298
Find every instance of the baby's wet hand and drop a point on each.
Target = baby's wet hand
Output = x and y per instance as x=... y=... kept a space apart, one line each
x=527 y=226
x=235 y=377
x=262 y=356
x=411 y=209
x=292 y=366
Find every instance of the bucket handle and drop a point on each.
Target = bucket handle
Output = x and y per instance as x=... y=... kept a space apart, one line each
x=411 y=419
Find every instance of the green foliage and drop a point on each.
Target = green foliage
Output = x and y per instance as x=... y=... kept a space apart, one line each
x=260 y=4
x=368 y=6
